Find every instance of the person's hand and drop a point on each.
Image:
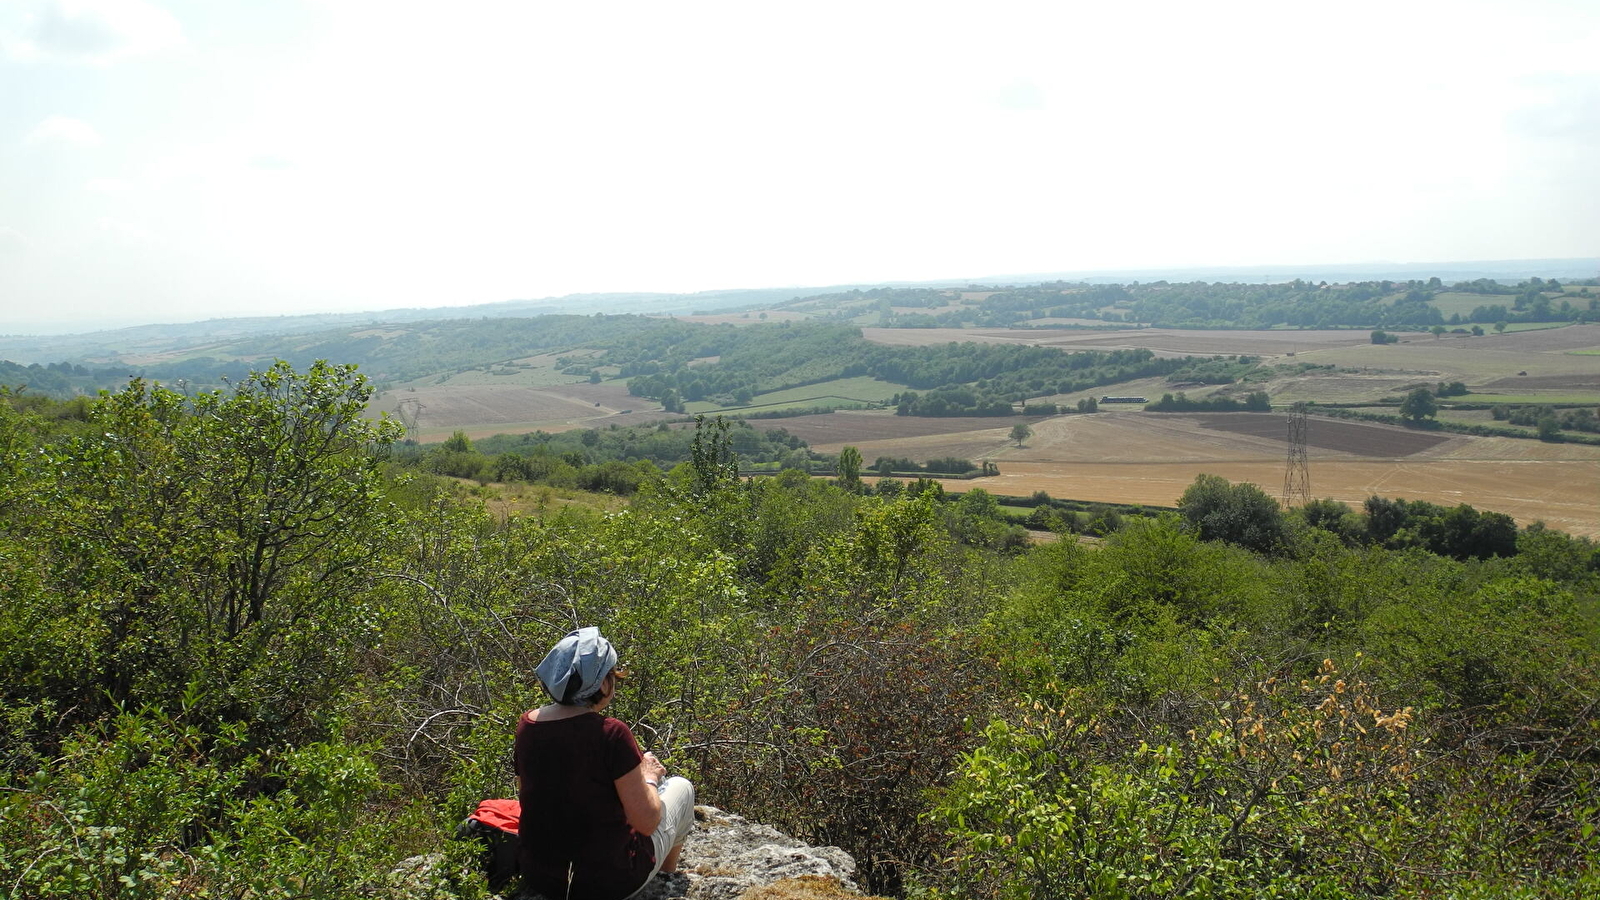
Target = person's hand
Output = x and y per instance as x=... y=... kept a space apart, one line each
x=653 y=769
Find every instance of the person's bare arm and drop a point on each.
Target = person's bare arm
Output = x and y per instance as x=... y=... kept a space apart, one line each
x=641 y=804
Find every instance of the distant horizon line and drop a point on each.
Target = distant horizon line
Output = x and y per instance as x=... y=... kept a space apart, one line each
x=1505 y=269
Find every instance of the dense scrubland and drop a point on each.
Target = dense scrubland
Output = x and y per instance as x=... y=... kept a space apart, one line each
x=244 y=652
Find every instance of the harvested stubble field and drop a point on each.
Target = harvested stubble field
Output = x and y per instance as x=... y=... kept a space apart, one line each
x=827 y=433
x=485 y=410
x=1137 y=457
x=1570 y=383
x=1151 y=458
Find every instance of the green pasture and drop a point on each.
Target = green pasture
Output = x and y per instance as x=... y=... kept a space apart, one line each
x=840 y=392
x=1450 y=303
x=863 y=388
x=1581 y=398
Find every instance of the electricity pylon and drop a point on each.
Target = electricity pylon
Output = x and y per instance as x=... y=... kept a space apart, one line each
x=1297 y=479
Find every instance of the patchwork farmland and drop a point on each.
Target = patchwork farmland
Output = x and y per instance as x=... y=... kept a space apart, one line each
x=1150 y=458
x=1126 y=455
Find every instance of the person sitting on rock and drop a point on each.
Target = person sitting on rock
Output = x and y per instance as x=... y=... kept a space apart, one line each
x=599 y=818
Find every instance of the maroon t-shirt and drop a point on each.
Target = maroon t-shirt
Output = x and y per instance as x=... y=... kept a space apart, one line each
x=571 y=815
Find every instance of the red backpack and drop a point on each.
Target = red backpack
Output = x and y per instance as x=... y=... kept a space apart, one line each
x=494 y=823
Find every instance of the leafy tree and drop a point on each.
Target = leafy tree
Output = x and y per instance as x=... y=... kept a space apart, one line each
x=1419 y=405
x=850 y=469
x=219 y=540
x=1240 y=514
x=711 y=458
x=1329 y=515
x=458 y=443
x=1549 y=428
x=1021 y=432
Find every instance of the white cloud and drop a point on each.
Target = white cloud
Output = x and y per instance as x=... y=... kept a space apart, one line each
x=64 y=130
x=107 y=186
x=1558 y=107
x=99 y=32
x=271 y=162
x=1021 y=93
x=127 y=232
x=12 y=241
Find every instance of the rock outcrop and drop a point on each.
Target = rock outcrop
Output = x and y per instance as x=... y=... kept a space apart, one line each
x=726 y=858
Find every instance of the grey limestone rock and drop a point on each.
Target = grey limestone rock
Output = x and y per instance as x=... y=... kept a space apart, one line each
x=726 y=856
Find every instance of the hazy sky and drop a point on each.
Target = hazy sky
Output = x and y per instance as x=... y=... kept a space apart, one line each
x=165 y=161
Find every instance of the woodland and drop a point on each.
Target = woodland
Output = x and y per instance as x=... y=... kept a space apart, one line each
x=250 y=648
x=1296 y=304
x=657 y=354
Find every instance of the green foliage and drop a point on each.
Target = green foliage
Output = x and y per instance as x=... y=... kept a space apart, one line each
x=1334 y=517
x=849 y=466
x=1255 y=401
x=1216 y=370
x=615 y=460
x=55 y=381
x=976 y=519
x=1459 y=531
x=1248 y=801
x=1240 y=514
x=711 y=457
x=1494 y=655
x=1418 y=405
x=213 y=540
x=142 y=807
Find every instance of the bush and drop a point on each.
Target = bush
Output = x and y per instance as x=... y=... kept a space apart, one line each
x=150 y=806
x=1240 y=514
x=949 y=465
x=1243 y=800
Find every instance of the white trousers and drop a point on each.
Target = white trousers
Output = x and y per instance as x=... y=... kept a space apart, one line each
x=677 y=819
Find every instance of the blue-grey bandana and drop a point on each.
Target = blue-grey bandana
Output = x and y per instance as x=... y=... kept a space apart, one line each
x=583 y=655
